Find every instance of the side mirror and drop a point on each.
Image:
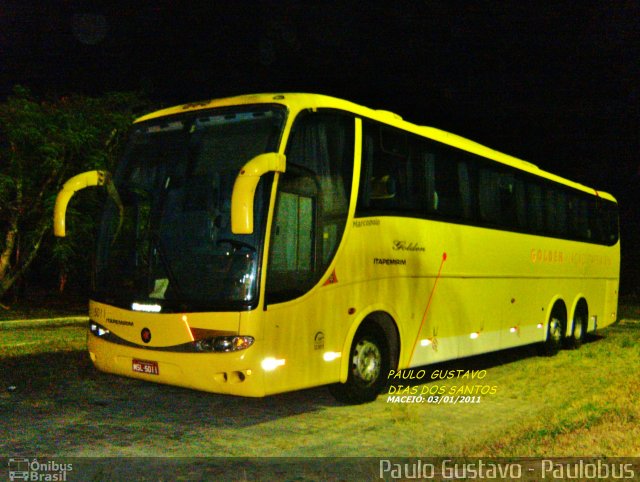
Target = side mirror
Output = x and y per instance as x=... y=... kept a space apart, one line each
x=244 y=189
x=76 y=183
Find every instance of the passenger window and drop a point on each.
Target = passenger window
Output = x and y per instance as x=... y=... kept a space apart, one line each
x=535 y=208
x=448 y=182
x=502 y=198
x=386 y=174
x=578 y=218
x=556 y=211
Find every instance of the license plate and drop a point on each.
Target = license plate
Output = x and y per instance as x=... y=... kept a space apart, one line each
x=145 y=366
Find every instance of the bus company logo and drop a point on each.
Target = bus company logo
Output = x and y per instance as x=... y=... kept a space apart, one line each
x=318 y=341
x=145 y=334
x=119 y=322
x=407 y=246
x=21 y=468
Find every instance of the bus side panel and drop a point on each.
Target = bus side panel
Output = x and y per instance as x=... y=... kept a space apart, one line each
x=306 y=337
x=462 y=290
x=452 y=290
x=610 y=312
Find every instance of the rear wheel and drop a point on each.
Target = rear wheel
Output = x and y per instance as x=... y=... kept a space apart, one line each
x=368 y=368
x=555 y=331
x=579 y=331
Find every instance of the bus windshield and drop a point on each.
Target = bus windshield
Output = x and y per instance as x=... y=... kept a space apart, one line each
x=165 y=239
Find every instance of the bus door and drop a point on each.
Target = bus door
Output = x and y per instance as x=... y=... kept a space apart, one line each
x=303 y=317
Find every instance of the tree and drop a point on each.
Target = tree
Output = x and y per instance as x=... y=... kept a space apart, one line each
x=42 y=144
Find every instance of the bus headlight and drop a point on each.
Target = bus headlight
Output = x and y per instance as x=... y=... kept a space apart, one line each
x=97 y=329
x=224 y=344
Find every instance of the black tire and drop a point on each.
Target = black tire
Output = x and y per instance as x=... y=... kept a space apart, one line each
x=555 y=336
x=579 y=330
x=369 y=366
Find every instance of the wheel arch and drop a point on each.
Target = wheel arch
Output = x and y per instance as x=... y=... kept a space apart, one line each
x=378 y=319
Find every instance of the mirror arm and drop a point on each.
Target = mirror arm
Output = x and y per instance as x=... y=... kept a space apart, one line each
x=244 y=189
x=76 y=183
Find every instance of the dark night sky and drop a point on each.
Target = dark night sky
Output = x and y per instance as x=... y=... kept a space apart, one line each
x=555 y=83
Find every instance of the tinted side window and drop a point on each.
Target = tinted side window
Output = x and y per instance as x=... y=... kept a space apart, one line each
x=555 y=211
x=390 y=180
x=578 y=215
x=603 y=221
x=448 y=180
x=407 y=175
x=502 y=198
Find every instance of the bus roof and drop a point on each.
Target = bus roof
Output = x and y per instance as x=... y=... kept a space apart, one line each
x=296 y=102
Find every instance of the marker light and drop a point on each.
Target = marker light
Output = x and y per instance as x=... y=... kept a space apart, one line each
x=425 y=342
x=513 y=329
x=148 y=308
x=474 y=335
x=270 y=364
x=540 y=325
x=331 y=355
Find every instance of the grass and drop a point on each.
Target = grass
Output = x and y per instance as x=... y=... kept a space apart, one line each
x=579 y=403
x=41 y=303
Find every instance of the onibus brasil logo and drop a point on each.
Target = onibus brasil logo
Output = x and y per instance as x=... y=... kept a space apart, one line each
x=24 y=469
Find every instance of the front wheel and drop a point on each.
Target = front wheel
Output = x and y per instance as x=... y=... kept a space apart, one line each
x=368 y=368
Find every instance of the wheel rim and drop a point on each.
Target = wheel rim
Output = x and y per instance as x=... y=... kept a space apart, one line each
x=367 y=360
x=555 y=330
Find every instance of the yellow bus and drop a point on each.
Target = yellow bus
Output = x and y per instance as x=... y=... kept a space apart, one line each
x=265 y=243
